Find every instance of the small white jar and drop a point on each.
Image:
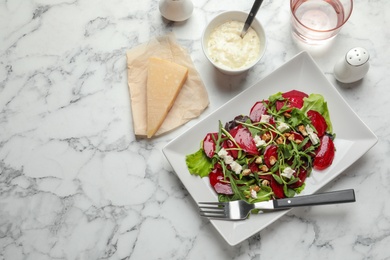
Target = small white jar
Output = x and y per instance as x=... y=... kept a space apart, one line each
x=176 y=10
x=353 y=66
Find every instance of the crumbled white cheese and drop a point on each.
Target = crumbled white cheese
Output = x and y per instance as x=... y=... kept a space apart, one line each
x=225 y=156
x=312 y=136
x=230 y=161
x=282 y=127
x=265 y=118
x=253 y=194
x=309 y=130
x=235 y=167
x=288 y=172
x=258 y=141
x=222 y=153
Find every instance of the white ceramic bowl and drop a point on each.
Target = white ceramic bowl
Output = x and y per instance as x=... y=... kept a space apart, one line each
x=233 y=16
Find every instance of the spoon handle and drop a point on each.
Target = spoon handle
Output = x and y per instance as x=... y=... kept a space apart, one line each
x=251 y=16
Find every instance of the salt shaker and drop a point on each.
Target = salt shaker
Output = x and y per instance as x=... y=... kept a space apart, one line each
x=353 y=66
x=176 y=10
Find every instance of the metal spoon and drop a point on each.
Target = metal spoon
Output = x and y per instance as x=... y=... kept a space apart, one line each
x=251 y=16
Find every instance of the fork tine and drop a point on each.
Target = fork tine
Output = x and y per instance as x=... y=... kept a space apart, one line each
x=212 y=209
x=218 y=211
x=212 y=214
x=213 y=203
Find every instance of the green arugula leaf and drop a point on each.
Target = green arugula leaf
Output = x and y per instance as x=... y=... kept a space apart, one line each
x=277 y=178
x=288 y=192
x=277 y=96
x=298 y=117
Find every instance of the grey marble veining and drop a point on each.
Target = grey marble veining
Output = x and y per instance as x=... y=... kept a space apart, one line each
x=75 y=183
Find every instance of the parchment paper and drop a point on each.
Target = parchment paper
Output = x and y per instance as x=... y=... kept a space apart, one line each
x=192 y=99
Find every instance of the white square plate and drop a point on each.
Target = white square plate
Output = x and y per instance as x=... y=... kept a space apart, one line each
x=353 y=138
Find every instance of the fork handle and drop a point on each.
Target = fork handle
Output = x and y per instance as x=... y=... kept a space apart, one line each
x=333 y=197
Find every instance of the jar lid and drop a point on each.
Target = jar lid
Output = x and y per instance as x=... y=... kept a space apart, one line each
x=357 y=56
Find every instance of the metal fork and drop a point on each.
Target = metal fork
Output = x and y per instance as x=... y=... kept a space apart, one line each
x=239 y=209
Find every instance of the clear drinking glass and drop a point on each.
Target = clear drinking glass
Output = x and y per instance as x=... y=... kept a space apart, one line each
x=318 y=21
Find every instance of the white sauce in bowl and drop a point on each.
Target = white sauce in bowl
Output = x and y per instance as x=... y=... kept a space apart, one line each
x=227 y=49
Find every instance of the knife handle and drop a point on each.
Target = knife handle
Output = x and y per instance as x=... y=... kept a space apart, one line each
x=333 y=197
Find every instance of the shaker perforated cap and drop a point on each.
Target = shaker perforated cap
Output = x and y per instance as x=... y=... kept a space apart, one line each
x=357 y=56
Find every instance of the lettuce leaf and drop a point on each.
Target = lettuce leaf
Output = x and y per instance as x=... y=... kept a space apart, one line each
x=199 y=164
x=317 y=102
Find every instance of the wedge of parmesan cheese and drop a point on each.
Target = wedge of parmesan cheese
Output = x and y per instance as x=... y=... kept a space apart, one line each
x=164 y=82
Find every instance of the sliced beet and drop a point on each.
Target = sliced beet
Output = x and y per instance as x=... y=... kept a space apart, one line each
x=279 y=104
x=295 y=98
x=318 y=122
x=219 y=184
x=324 y=153
x=270 y=154
x=244 y=139
x=277 y=189
x=209 y=144
x=258 y=109
x=231 y=148
x=275 y=186
x=253 y=167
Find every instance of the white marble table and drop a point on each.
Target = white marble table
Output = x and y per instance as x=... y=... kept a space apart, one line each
x=76 y=184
